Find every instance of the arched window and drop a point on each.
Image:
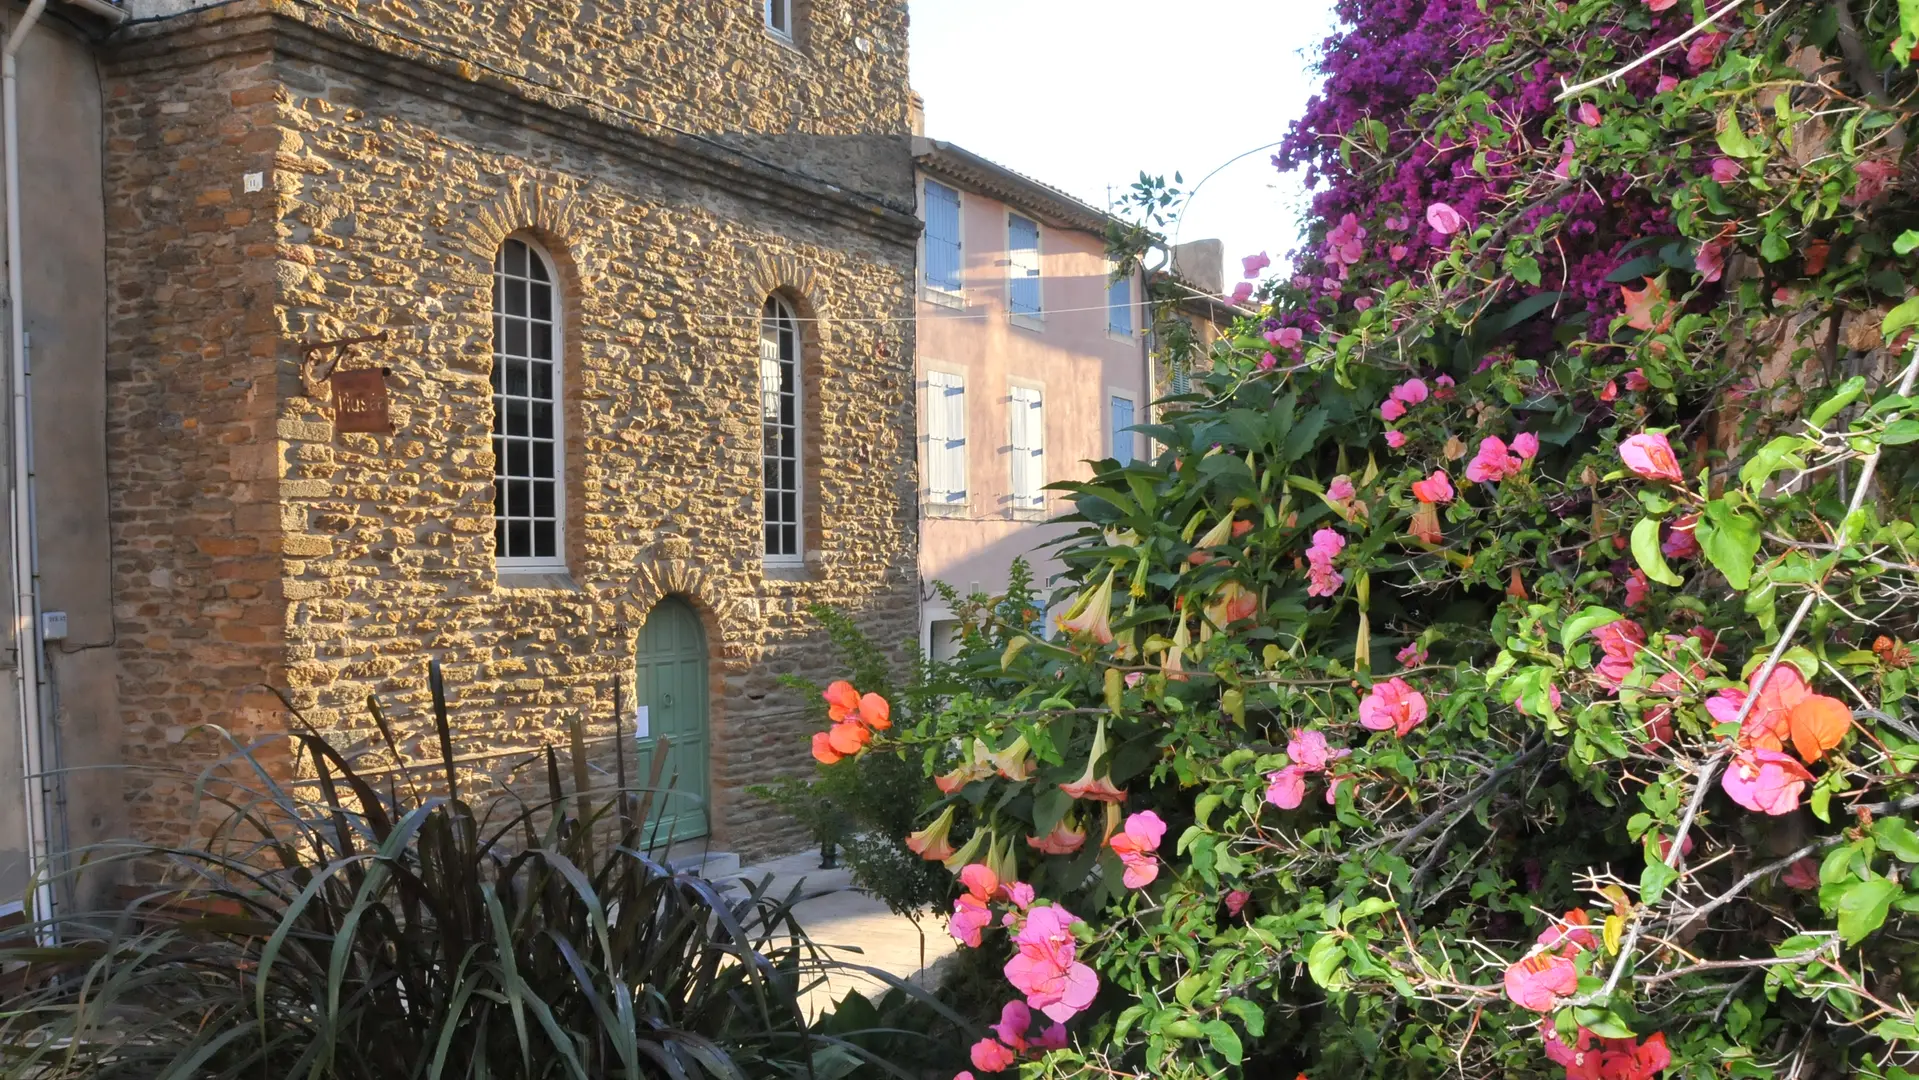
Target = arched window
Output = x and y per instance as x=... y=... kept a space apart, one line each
x=780 y=422
x=528 y=495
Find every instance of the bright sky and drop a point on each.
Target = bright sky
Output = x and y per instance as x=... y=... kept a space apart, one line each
x=1087 y=94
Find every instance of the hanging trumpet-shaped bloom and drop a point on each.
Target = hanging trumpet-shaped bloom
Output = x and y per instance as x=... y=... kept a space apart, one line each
x=1097 y=786
x=1175 y=663
x=1093 y=614
x=1231 y=603
x=1065 y=839
x=1216 y=537
x=1013 y=762
x=970 y=851
x=1424 y=526
x=932 y=843
x=979 y=768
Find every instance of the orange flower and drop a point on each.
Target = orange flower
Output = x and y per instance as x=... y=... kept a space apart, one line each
x=875 y=712
x=1098 y=787
x=1818 y=724
x=823 y=751
x=842 y=701
x=1231 y=604
x=1640 y=305
x=1425 y=524
x=849 y=738
x=1063 y=840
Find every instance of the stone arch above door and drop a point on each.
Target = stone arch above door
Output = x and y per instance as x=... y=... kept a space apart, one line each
x=729 y=633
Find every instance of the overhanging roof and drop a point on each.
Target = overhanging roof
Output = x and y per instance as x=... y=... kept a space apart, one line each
x=1044 y=201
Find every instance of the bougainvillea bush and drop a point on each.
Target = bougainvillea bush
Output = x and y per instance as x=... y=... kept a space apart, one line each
x=1502 y=668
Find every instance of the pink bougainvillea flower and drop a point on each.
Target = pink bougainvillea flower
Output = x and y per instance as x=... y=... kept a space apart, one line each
x=1650 y=456
x=1046 y=968
x=1802 y=875
x=1322 y=580
x=1364 y=303
x=971 y=916
x=1443 y=388
x=1493 y=463
x=1063 y=840
x=1638 y=589
x=1526 y=445
x=1395 y=439
x=1333 y=780
x=1240 y=294
x=1665 y=847
x=1769 y=724
x=1636 y=381
x=1725 y=170
x=980 y=881
x=1437 y=488
x=1681 y=540
x=1711 y=260
x=1609 y=392
x=1873 y=176
x=1766 y=781
x=1051 y=1037
x=1641 y=305
x=1393 y=706
x=932 y=843
x=1341 y=489
x=1704 y=50
x=1236 y=901
x=1667 y=83
x=990 y=1056
x=1398 y=252
x=1309 y=751
x=1286 y=337
x=1568 y=157
x=1621 y=642
x=1136 y=844
x=1444 y=219
x=1540 y=981
x=1015 y=1022
x=1410 y=392
x=1391 y=409
x=1589 y=114
x=1256 y=265
x=1286 y=788
x=1570 y=934
x=1412 y=655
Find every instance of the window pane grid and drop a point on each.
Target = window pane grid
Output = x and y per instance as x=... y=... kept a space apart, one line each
x=527 y=500
x=780 y=427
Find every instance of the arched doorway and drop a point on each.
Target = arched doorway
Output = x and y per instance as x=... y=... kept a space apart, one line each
x=670 y=681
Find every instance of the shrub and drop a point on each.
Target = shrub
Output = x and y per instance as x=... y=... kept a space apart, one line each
x=336 y=930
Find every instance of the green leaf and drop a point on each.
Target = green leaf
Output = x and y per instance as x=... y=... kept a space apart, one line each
x=1847 y=394
x=1655 y=879
x=1774 y=247
x=1730 y=541
x=1225 y=1040
x=1732 y=137
x=1325 y=960
x=1895 y=836
x=1585 y=623
x=1863 y=907
x=1907 y=242
x=1645 y=549
x=1901 y=432
x=1900 y=318
x=1248 y=1014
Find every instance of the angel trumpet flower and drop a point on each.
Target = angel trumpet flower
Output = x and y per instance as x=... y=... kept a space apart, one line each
x=958 y=860
x=1092 y=785
x=1093 y=614
x=931 y=843
x=1013 y=763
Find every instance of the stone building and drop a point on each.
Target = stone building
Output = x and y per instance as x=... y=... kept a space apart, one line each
x=640 y=277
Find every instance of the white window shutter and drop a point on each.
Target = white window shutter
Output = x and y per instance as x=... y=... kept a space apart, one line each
x=955 y=449
x=1036 y=461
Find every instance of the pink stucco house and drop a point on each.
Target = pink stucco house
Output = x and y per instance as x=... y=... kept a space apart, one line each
x=1033 y=361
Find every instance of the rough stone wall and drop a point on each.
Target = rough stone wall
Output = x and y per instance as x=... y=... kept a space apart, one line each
x=385 y=200
x=192 y=456
x=832 y=103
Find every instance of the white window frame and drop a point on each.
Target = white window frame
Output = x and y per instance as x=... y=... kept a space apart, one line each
x=1131 y=307
x=1115 y=393
x=503 y=519
x=793 y=366
x=1016 y=271
x=777 y=16
x=941 y=294
x=956 y=495
x=1030 y=396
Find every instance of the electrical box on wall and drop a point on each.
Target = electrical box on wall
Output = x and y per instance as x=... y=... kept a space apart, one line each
x=53 y=626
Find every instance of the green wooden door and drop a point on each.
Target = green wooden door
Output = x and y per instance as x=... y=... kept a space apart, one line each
x=670 y=681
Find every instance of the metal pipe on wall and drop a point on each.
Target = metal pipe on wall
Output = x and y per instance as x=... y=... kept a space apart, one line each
x=29 y=670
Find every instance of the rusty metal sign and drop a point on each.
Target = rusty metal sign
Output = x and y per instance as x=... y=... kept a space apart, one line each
x=359 y=402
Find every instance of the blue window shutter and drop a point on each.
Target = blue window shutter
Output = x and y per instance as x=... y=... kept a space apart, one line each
x=1123 y=430
x=1119 y=306
x=943 y=264
x=1022 y=242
